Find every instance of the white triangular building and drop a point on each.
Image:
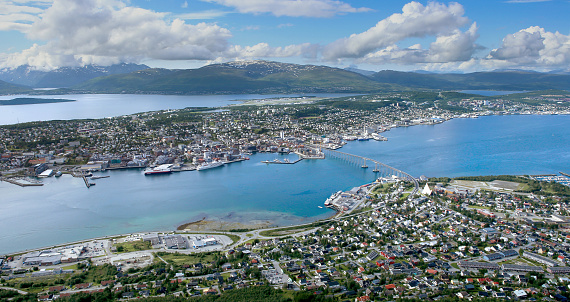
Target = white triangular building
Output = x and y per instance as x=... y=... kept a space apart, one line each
x=426 y=191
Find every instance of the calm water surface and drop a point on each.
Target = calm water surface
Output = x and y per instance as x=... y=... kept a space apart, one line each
x=64 y=210
x=105 y=105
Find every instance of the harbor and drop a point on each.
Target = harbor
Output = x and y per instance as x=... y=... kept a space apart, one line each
x=253 y=191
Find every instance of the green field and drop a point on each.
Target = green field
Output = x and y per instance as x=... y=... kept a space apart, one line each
x=181 y=259
x=133 y=246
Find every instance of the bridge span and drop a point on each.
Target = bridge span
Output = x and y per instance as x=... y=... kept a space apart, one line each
x=380 y=168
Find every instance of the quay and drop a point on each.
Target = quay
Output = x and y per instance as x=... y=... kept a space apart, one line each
x=21 y=184
x=87 y=184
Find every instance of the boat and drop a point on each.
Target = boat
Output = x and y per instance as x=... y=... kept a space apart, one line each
x=330 y=200
x=162 y=169
x=378 y=137
x=58 y=174
x=99 y=177
x=210 y=165
x=320 y=207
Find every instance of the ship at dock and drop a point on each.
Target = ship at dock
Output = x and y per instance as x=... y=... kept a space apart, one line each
x=378 y=137
x=210 y=165
x=329 y=201
x=162 y=169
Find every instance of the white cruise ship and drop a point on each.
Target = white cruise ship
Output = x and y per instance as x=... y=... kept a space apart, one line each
x=210 y=165
x=162 y=169
x=378 y=137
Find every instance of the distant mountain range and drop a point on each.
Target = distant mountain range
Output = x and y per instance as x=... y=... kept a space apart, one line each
x=493 y=80
x=238 y=78
x=243 y=77
x=63 y=77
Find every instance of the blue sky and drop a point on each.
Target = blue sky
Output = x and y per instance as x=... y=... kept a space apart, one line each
x=460 y=36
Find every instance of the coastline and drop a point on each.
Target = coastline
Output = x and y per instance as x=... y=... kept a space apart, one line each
x=210 y=224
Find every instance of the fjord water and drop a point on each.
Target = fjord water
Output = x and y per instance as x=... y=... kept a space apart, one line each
x=91 y=106
x=65 y=210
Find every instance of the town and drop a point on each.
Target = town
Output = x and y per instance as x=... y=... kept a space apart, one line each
x=397 y=238
x=452 y=240
x=187 y=138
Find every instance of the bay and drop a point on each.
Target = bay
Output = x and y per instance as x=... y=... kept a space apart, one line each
x=65 y=210
x=91 y=106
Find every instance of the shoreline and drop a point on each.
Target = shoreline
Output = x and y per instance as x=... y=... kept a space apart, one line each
x=197 y=222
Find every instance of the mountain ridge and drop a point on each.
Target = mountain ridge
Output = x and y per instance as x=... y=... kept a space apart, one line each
x=63 y=77
x=267 y=77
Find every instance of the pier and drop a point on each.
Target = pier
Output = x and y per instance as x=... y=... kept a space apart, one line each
x=26 y=183
x=382 y=170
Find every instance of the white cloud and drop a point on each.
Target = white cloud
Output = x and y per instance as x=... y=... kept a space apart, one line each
x=203 y=15
x=19 y=15
x=458 y=46
x=185 y=4
x=263 y=50
x=292 y=8
x=415 y=21
x=533 y=46
x=103 y=31
x=251 y=27
x=455 y=47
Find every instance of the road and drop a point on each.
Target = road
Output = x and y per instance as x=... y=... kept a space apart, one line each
x=21 y=292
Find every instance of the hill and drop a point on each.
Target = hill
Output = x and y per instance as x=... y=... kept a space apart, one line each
x=63 y=77
x=238 y=78
x=495 y=80
x=7 y=88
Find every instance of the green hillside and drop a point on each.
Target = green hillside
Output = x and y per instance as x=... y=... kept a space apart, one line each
x=7 y=88
x=238 y=78
x=503 y=80
x=263 y=77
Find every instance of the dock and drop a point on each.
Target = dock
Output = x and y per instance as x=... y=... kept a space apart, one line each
x=87 y=183
x=21 y=184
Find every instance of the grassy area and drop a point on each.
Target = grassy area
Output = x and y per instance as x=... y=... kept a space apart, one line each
x=382 y=188
x=133 y=246
x=455 y=265
x=181 y=259
x=287 y=230
x=73 y=267
x=479 y=207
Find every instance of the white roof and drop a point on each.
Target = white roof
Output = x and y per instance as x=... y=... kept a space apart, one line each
x=426 y=190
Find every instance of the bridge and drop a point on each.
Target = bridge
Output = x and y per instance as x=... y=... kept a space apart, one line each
x=379 y=168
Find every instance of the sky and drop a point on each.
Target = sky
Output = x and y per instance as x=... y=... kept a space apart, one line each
x=463 y=36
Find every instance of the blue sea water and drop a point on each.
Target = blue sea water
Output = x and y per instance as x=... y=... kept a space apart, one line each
x=65 y=210
x=88 y=106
